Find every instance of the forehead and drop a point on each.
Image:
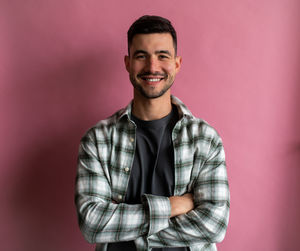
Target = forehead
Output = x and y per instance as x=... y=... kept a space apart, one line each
x=153 y=41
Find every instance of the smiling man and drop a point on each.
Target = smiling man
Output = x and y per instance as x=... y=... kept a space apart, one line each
x=152 y=176
x=152 y=64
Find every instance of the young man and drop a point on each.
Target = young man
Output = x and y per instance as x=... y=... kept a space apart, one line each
x=152 y=176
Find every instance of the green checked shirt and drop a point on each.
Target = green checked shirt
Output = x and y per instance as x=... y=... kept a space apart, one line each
x=105 y=160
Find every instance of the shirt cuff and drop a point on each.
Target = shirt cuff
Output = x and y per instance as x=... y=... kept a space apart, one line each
x=159 y=211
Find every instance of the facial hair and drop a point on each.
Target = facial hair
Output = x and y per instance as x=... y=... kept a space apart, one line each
x=168 y=83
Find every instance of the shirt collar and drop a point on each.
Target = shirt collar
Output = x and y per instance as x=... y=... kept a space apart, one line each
x=182 y=109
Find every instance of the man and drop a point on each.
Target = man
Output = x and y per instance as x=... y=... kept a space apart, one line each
x=152 y=176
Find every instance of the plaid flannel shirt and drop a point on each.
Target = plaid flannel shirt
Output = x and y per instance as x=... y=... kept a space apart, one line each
x=105 y=159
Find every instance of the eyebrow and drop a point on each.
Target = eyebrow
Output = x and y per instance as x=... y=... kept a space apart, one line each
x=156 y=52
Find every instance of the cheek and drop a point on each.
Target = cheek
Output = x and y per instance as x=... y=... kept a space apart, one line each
x=169 y=67
x=136 y=67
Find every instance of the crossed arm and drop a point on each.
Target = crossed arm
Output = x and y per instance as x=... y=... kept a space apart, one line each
x=174 y=221
x=179 y=204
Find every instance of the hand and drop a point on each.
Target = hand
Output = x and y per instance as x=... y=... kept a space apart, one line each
x=181 y=204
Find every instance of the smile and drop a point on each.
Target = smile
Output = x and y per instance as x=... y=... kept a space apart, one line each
x=152 y=79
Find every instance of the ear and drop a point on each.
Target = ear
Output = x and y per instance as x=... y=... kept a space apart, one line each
x=127 y=62
x=178 y=61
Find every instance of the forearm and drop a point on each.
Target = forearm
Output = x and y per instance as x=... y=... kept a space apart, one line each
x=104 y=221
x=100 y=221
x=108 y=221
x=205 y=224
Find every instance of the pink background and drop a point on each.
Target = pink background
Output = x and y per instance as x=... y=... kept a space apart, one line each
x=61 y=70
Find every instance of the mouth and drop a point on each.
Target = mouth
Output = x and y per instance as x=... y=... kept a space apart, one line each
x=152 y=80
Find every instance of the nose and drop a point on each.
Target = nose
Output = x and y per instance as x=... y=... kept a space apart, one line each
x=152 y=65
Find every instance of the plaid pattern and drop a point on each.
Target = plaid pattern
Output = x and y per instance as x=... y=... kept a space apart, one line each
x=105 y=158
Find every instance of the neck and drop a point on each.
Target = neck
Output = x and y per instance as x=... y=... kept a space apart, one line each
x=151 y=109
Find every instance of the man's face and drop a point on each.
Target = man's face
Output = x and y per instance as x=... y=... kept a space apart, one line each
x=152 y=64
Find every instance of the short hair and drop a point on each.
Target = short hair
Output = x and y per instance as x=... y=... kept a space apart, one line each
x=151 y=24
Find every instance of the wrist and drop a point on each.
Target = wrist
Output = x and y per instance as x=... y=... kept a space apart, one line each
x=181 y=204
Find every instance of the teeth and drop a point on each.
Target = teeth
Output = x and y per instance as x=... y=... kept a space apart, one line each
x=153 y=79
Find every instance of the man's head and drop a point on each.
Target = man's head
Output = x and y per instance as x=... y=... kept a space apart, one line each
x=152 y=61
x=151 y=24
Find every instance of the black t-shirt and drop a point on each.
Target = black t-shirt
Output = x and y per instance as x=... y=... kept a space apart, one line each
x=153 y=167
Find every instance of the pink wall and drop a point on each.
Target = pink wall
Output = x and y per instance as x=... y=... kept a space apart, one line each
x=61 y=70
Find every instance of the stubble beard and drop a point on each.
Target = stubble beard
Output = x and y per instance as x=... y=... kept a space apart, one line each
x=148 y=95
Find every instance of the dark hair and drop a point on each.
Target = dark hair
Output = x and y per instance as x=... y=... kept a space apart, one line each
x=151 y=24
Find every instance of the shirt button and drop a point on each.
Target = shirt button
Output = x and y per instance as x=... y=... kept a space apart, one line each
x=131 y=140
x=120 y=197
x=126 y=169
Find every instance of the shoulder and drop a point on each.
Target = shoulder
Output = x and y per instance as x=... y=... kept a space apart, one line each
x=200 y=128
x=203 y=137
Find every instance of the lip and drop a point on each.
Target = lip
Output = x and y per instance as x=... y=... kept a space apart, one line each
x=152 y=80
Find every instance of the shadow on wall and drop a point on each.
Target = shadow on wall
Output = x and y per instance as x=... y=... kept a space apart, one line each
x=290 y=216
x=54 y=110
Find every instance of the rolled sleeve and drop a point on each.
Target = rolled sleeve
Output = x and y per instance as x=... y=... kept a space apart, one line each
x=159 y=211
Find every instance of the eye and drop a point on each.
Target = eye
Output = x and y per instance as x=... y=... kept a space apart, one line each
x=140 y=56
x=162 y=56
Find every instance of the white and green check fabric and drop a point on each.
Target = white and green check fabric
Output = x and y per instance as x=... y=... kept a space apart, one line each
x=105 y=159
